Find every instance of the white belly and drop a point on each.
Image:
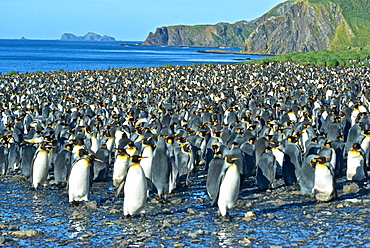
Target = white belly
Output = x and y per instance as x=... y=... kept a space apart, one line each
x=40 y=168
x=79 y=181
x=135 y=191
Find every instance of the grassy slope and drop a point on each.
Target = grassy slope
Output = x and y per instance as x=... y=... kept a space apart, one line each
x=357 y=15
x=322 y=58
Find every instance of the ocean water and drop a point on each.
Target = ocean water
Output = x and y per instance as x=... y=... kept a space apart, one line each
x=52 y=55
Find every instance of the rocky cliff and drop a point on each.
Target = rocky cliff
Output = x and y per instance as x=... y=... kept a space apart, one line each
x=88 y=36
x=302 y=27
x=219 y=35
x=295 y=25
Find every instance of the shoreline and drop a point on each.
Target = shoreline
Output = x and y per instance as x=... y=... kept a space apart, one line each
x=232 y=52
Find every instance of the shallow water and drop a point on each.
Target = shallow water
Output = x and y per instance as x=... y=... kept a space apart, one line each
x=281 y=217
x=52 y=55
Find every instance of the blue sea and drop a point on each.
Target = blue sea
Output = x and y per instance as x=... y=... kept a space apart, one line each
x=52 y=55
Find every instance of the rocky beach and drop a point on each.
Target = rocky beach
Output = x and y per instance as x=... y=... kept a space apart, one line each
x=244 y=101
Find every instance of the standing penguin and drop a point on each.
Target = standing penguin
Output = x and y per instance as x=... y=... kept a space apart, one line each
x=249 y=151
x=229 y=187
x=306 y=180
x=63 y=163
x=325 y=188
x=40 y=166
x=266 y=170
x=80 y=179
x=101 y=169
x=356 y=165
x=120 y=167
x=213 y=176
x=161 y=168
x=236 y=152
x=3 y=158
x=135 y=188
x=146 y=162
x=28 y=152
x=183 y=159
x=292 y=162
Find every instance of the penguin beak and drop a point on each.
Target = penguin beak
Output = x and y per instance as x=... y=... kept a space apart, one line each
x=96 y=159
x=234 y=159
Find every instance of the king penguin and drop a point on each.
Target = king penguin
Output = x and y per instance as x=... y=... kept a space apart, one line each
x=161 y=168
x=213 y=176
x=40 y=166
x=80 y=179
x=63 y=163
x=3 y=158
x=356 y=166
x=120 y=167
x=229 y=187
x=306 y=180
x=135 y=187
x=147 y=154
x=325 y=188
x=28 y=152
x=266 y=170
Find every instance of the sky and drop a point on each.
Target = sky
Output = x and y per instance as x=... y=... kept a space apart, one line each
x=121 y=19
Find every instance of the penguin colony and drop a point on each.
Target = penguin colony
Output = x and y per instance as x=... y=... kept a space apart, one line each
x=149 y=129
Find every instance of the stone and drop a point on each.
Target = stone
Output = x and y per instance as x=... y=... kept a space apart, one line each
x=351 y=188
x=26 y=233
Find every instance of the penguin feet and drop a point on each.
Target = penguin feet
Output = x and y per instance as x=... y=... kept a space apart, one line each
x=143 y=216
x=226 y=217
x=74 y=204
x=163 y=201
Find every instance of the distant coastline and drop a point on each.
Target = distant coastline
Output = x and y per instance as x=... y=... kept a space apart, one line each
x=87 y=37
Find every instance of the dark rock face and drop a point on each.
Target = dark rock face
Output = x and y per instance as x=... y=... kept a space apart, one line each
x=88 y=36
x=219 y=35
x=302 y=27
x=288 y=27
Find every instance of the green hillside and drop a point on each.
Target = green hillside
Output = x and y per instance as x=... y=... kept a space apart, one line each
x=294 y=25
x=357 y=15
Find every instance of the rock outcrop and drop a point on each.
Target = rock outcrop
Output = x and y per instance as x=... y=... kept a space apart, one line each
x=302 y=27
x=295 y=25
x=89 y=36
x=219 y=35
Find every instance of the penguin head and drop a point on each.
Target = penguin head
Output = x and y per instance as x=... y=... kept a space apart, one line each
x=230 y=159
x=328 y=143
x=319 y=160
x=135 y=159
x=356 y=146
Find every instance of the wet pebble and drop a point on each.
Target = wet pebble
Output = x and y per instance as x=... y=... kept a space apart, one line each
x=352 y=188
x=92 y=205
x=309 y=216
x=179 y=245
x=114 y=211
x=13 y=228
x=77 y=216
x=166 y=223
x=271 y=216
x=145 y=234
x=191 y=211
x=26 y=233
x=195 y=234
x=2 y=240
